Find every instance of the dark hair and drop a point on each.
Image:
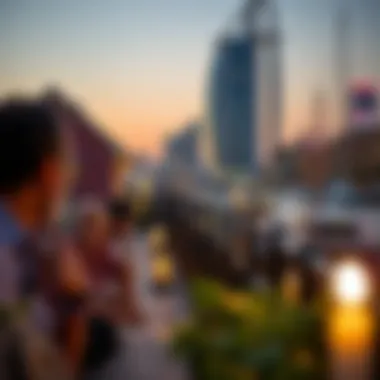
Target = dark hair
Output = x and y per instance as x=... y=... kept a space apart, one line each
x=119 y=209
x=28 y=135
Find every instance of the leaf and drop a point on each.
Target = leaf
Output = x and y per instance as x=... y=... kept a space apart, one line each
x=232 y=332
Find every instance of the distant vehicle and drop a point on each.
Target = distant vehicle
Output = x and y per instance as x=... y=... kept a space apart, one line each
x=344 y=225
x=347 y=218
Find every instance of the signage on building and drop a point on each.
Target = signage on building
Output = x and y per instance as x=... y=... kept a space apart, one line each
x=364 y=106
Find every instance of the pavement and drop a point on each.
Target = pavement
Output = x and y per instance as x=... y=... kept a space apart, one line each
x=145 y=353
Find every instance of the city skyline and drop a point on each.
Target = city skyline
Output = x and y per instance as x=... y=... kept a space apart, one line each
x=140 y=68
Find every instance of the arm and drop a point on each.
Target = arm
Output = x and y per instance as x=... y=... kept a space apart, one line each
x=133 y=308
x=75 y=340
x=129 y=310
x=72 y=299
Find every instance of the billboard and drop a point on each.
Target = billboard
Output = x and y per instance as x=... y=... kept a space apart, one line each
x=364 y=106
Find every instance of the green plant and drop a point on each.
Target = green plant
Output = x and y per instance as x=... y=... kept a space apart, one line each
x=240 y=335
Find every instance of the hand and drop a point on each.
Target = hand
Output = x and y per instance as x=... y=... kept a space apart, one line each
x=73 y=275
x=131 y=317
x=135 y=318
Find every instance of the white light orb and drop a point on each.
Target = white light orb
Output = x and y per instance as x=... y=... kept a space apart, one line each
x=350 y=283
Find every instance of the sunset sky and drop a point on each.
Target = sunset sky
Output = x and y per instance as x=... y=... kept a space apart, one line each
x=140 y=66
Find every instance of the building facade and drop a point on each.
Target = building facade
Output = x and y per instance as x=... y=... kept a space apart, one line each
x=230 y=111
x=183 y=146
x=99 y=164
x=243 y=106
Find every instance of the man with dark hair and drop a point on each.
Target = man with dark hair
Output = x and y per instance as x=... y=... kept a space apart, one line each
x=32 y=181
x=31 y=165
x=120 y=218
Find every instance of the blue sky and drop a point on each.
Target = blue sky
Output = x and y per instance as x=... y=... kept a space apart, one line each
x=139 y=65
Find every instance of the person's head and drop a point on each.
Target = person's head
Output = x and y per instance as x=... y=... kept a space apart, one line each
x=120 y=216
x=32 y=169
x=93 y=227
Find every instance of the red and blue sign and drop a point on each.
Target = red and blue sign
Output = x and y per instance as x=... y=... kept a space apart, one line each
x=364 y=106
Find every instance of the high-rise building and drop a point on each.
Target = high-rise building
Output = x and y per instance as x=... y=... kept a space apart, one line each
x=343 y=60
x=231 y=99
x=269 y=85
x=182 y=147
x=357 y=58
x=243 y=97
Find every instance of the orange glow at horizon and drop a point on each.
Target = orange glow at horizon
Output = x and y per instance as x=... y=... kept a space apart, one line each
x=140 y=124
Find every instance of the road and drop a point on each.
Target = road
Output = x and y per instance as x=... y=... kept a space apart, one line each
x=146 y=352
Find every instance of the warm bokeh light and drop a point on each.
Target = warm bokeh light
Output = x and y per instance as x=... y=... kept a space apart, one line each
x=350 y=283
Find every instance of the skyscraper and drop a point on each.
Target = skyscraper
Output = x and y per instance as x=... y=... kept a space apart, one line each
x=343 y=60
x=269 y=84
x=243 y=107
x=231 y=103
x=182 y=147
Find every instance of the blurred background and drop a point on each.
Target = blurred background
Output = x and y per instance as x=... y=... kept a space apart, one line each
x=246 y=137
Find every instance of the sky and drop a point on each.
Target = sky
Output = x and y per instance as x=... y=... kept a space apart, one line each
x=140 y=66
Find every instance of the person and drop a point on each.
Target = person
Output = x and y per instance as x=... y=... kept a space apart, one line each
x=92 y=242
x=120 y=216
x=32 y=186
x=70 y=300
x=111 y=295
x=119 y=213
x=275 y=256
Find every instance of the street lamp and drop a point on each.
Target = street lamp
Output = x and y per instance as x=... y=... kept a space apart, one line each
x=350 y=283
x=351 y=324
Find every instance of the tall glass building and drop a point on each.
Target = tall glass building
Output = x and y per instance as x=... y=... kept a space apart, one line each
x=231 y=103
x=243 y=95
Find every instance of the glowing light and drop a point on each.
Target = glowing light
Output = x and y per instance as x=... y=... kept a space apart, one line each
x=350 y=283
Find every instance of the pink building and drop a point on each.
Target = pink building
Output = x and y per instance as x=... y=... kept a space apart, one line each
x=99 y=163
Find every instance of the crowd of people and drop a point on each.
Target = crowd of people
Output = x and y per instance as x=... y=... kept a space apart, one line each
x=65 y=288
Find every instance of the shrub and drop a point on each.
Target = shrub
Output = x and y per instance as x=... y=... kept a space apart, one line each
x=240 y=335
